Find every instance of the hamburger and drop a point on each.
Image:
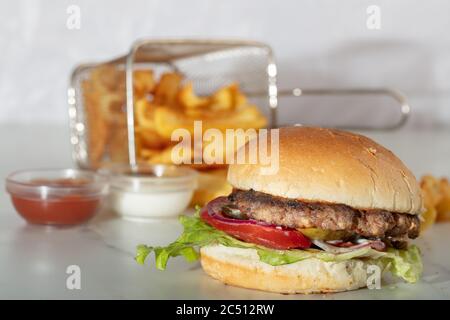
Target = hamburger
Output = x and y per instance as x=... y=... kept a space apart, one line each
x=339 y=205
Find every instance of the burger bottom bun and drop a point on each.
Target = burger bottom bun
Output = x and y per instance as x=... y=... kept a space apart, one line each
x=242 y=268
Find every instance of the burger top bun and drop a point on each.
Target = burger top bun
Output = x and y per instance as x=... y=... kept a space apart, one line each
x=332 y=166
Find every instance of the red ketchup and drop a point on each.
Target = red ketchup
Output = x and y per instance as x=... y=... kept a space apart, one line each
x=71 y=209
x=58 y=201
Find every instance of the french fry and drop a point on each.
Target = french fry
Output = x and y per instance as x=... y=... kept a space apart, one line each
x=150 y=138
x=431 y=196
x=436 y=193
x=167 y=88
x=143 y=82
x=430 y=186
x=108 y=78
x=227 y=98
x=189 y=100
x=118 y=146
x=98 y=128
x=103 y=113
x=239 y=98
x=223 y=99
x=143 y=116
x=443 y=207
x=164 y=156
x=146 y=154
x=429 y=216
x=168 y=120
x=212 y=184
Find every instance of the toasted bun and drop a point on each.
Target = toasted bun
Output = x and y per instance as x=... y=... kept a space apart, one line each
x=242 y=268
x=324 y=165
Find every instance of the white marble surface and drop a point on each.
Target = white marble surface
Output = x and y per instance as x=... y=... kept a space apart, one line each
x=33 y=259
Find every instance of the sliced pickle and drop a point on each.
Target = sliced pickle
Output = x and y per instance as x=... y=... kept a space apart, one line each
x=326 y=235
x=233 y=212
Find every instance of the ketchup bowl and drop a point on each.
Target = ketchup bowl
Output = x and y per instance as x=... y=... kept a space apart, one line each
x=56 y=197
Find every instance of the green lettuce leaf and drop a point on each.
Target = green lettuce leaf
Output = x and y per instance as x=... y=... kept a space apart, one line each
x=405 y=264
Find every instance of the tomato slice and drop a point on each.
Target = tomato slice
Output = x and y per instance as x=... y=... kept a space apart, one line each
x=253 y=231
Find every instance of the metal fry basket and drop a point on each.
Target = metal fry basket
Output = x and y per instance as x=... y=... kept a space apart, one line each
x=208 y=64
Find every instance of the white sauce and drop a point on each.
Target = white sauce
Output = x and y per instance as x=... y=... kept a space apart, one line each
x=130 y=204
x=150 y=191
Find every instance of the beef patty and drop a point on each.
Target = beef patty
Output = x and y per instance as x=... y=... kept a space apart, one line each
x=298 y=214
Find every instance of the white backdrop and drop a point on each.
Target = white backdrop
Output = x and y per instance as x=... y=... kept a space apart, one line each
x=318 y=43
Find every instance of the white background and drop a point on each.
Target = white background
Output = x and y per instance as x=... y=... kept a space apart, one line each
x=318 y=43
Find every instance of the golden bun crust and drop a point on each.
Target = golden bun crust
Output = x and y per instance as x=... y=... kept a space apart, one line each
x=242 y=268
x=325 y=165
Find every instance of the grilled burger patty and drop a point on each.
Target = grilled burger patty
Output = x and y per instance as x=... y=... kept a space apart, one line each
x=298 y=214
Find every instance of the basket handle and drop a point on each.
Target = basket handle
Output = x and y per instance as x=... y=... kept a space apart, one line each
x=400 y=98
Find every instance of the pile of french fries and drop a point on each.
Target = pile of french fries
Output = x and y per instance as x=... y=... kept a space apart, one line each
x=104 y=98
x=436 y=194
x=173 y=104
x=161 y=106
x=163 y=103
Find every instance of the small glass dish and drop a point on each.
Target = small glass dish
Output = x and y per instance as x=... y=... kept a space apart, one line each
x=148 y=191
x=56 y=196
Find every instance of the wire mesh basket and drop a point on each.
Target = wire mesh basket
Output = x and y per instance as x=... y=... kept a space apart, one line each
x=208 y=64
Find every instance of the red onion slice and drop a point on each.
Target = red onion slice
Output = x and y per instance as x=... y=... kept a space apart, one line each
x=215 y=206
x=343 y=247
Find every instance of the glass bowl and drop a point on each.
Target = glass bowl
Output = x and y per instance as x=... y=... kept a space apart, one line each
x=150 y=191
x=56 y=196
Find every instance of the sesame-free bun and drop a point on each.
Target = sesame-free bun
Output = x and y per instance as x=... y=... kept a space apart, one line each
x=333 y=166
x=242 y=268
